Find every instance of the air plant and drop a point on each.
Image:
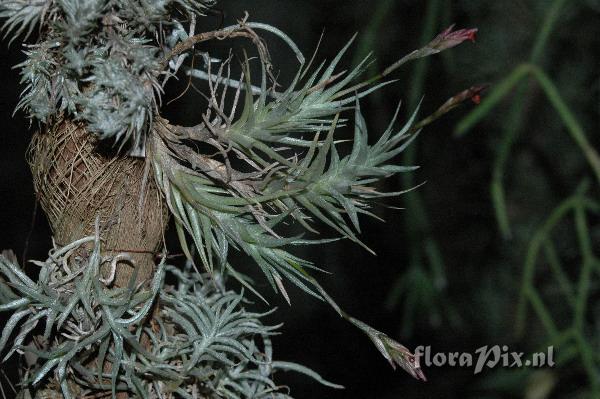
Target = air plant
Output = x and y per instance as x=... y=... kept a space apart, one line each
x=99 y=67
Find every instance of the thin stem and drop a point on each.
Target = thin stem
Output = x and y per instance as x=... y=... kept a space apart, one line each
x=559 y=273
x=583 y=287
x=534 y=248
x=515 y=119
x=554 y=12
x=369 y=37
x=574 y=129
x=586 y=352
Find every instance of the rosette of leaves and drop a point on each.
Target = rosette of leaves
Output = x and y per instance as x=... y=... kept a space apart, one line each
x=96 y=60
x=203 y=340
x=262 y=156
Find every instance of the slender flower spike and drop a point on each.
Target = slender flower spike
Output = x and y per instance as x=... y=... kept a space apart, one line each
x=445 y=40
x=473 y=93
x=402 y=356
x=448 y=38
x=394 y=352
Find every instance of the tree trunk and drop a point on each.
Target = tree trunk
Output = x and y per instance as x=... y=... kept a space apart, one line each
x=77 y=180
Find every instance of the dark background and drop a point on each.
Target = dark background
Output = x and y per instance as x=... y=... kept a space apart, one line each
x=444 y=275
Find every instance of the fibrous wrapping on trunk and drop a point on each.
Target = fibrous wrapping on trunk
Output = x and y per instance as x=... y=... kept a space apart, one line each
x=78 y=179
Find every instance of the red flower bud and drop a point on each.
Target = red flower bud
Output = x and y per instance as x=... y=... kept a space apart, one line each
x=448 y=38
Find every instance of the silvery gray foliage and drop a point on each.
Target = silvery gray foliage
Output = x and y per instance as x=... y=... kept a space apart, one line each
x=281 y=186
x=293 y=171
x=274 y=160
x=204 y=341
x=106 y=71
x=96 y=60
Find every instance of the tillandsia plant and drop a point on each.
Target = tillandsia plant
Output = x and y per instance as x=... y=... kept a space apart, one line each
x=109 y=170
